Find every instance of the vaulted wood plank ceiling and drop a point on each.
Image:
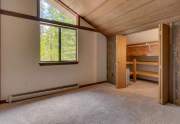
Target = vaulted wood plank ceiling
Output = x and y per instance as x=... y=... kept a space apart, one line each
x=124 y=16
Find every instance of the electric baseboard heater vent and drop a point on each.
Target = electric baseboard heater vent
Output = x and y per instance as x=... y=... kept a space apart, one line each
x=40 y=93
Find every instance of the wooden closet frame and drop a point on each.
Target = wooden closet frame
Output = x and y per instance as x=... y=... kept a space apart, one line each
x=164 y=63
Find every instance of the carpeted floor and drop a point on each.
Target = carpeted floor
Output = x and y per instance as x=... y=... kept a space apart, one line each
x=143 y=88
x=100 y=104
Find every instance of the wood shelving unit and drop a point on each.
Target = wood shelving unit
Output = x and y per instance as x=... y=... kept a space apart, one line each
x=134 y=63
x=144 y=63
x=148 y=74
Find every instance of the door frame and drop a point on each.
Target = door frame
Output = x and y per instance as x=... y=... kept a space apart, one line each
x=164 y=79
x=120 y=71
x=164 y=38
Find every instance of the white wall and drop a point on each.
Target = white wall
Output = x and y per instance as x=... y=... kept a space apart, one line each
x=22 y=6
x=144 y=36
x=20 y=56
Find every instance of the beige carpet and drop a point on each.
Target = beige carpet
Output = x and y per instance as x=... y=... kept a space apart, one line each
x=101 y=104
x=143 y=88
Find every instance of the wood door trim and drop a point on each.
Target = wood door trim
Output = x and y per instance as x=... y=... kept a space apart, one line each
x=164 y=32
x=121 y=44
x=0 y=62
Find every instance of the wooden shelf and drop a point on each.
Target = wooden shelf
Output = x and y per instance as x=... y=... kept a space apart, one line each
x=148 y=63
x=148 y=74
x=136 y=73
x=129 y=63
x=144 y=63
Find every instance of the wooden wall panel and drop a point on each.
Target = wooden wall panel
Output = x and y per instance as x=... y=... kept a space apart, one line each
x=164 y=63
x=0 y=55
x=121 y=44
x=137 y=51
x=176 y=38
x=111 y=59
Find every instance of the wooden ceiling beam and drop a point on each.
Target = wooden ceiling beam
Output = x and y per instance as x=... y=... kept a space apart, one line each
x=36 y=18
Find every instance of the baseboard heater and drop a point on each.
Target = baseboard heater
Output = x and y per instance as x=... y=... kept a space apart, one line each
x=40 y=93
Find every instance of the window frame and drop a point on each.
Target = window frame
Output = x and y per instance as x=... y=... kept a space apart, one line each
x=45 y=63
x=65 y=7
x=60 y=62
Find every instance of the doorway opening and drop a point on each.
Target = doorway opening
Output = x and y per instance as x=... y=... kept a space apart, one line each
x=140 y=57
x=142 y=70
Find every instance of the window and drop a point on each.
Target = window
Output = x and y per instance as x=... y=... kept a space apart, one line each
x=49 y=45
x=68 y=44
x=52 y=10
x=58 y=45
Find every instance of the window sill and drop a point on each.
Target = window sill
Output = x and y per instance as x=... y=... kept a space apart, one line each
x=57 y=63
